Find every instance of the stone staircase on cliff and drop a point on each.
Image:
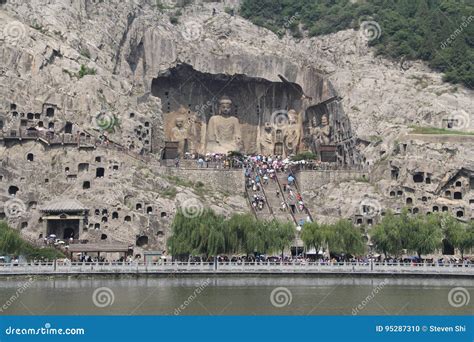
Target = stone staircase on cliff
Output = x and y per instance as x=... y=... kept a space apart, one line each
x=275 y=201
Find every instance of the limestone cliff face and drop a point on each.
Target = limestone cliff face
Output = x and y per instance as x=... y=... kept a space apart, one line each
x=122 y=46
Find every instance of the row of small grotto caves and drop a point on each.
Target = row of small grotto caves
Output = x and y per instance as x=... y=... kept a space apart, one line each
x=202 y=110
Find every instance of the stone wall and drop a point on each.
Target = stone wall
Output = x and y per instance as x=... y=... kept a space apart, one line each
x=231 y=181
x=313 y=180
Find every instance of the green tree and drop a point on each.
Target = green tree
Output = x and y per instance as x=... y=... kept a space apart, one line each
x=459 y=235
x=387 y=235
x=10 y=240
x=282 y=234
x=314 y=235
x=424 y=235
x=11 y=243
x=344 y=238
x=409 y=29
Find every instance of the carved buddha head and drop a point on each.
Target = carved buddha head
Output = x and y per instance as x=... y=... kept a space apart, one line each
x=225 y=105
x=324 y=120
x=179 y=122
x=292 y=117
x=268 y=127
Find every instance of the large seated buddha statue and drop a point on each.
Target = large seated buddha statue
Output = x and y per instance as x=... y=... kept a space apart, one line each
x=224 y=131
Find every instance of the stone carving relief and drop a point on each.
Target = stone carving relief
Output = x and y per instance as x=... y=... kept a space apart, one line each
x=185 y=128
x=292 y=133
x=224 y=131
x=320 y=134
x=267 y=139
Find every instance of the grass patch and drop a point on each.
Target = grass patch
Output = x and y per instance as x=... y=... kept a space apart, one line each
x=11 y=243
x=304 y=156
x=375 y=138
x=179 y=181
x=434 y=130
x=170 y=192
x=83 y=71
x=198 y=187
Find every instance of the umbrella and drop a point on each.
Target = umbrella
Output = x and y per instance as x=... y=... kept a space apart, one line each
x=52 y=236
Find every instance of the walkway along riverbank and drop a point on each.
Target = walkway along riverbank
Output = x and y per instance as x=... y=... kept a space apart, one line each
x=342 y=268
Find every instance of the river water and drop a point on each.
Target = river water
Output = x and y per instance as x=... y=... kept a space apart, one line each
x=249 y=295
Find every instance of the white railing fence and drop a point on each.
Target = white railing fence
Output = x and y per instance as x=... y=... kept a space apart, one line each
x=235 y=267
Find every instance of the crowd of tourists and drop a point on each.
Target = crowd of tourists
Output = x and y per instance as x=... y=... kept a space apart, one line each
x=303 y=258
x=260 y=170
x=237 y=160
x=215 y=160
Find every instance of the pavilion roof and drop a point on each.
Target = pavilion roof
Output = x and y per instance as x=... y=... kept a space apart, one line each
x=63 y=206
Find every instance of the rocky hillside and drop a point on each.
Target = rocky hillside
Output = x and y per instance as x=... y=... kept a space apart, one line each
x=94 y=60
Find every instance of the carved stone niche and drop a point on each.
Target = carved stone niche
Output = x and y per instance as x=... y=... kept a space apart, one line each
x=218 y=113
x=223 y=112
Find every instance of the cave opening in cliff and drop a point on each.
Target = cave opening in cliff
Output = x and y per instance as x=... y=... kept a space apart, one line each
x=219 y=113
x=63 y=228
